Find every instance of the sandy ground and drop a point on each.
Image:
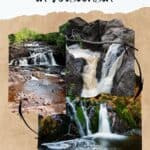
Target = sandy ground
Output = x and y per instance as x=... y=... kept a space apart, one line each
x=13 y=133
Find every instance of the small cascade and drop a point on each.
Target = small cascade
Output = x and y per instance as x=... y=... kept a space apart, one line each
x=31 y=44
x=75 y=117
x=53 y=59
x=104 y=126
x=38 y=55
x=34 y=78
x=104 y=130
x=112 y=62
x=87 y=121
x=40 y=59
x=23 y=62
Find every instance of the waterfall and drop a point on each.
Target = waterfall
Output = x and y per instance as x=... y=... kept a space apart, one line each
x=112 y=62
x=53 y=59
x=38 y=55
x=87 y=121
x=104 y=126
x=75 y=117
x=89 y=71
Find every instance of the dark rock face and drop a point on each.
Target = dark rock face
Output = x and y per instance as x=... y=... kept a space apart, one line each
x=115 y=23
x=102 y=31
x=52 y=127
x=118 y=125
x=55 y=128
x=124 y=81
x=76 y=25
x=74 y=74
x=16 y=52
x=94 y=30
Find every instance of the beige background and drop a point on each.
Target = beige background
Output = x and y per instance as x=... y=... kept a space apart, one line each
x=13 y=133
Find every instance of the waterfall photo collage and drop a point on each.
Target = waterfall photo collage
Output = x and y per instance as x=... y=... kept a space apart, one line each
x=81 y=82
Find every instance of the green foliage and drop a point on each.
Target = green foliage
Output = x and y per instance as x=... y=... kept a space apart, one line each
x=70 y=91
x=124 y=113
x=51 y=38
x=55 y=38
x=63 y=27
x=81 y=116
x=95 y=119
x=11 y=38
x=60 y=42
x=40 y=37
x=24 y=35
x=127 y=115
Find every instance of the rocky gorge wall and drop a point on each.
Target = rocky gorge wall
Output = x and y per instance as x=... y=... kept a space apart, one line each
x=100 y=31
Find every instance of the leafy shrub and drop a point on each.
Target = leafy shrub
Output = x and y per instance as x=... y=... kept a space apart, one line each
x=11 y=38
x=24 y=35
x=62 y=28
x=60 y=42
x=81 y=116
x=51 y=38
x=124 y=113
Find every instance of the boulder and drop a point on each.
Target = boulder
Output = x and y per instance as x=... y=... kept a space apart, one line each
x=17 y=52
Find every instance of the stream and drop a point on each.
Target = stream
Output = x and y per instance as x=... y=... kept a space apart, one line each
x=37 y=80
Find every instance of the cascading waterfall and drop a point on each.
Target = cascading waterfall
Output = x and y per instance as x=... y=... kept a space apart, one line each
x=89 y=71
x=39 y=55
x=103 y=123
x=87 y=121
x=75 y=117
x=104 y=126
x=88 y=142
x=53 y=59
x=104 y=130
x=112 y=62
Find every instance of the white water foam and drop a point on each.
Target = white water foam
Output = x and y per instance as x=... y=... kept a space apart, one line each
x=112 y=62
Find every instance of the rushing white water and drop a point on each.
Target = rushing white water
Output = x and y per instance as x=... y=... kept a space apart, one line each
x=112 y=62
x=89 y=71
x=39 y=55
x=32 y=44
x=75 y=144
x=53 y=59
x=88 y=142
x=108 y=136
x=71 y=104
x=87 y=121
x=104 y=126
x=46 y=58
x=104 y=130
x=23 y=62
x=34 y=78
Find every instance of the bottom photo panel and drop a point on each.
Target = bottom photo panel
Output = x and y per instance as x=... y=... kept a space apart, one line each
x=104 y=122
